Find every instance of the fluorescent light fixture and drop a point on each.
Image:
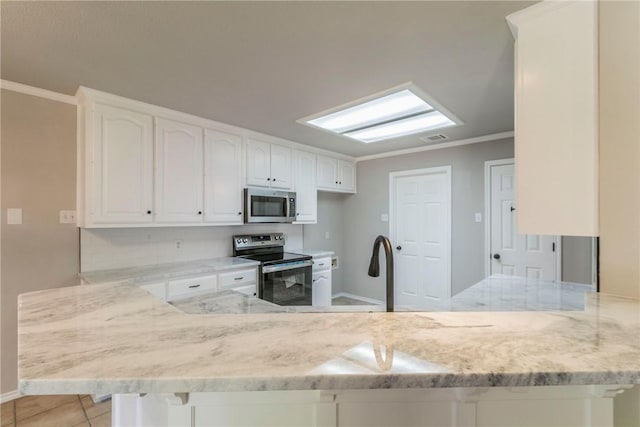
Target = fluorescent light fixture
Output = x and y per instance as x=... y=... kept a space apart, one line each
x=390 y=107
x=414 y=124
x=396 y=112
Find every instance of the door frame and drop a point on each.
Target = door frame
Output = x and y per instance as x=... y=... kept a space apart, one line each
x=425 y=171
x=487 y=221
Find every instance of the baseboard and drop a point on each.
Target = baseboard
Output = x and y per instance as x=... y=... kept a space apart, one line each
x=358 y=297
x=9 y=396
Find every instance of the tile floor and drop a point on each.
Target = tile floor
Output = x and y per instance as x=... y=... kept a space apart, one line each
x=55 y=411
x=343 y=300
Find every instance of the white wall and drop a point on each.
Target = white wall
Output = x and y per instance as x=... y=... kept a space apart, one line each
x=331 y=220
x=102 y=249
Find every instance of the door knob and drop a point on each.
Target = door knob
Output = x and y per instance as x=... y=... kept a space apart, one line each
x=399 y=247
x=496 y=256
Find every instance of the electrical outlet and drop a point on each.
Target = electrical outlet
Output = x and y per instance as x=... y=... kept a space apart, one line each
x=67 y=217
x=478 y=217
x=14 y=216
x=178 y=243
x=384 y=217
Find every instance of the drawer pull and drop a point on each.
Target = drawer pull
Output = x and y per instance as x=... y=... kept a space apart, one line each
x=321 y=264
x=238 y=278
x=193 y=286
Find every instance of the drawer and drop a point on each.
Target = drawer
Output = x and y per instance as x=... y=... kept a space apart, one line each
x=184 y=288
x=239 y=277
x=247 y=289
x=322 y=264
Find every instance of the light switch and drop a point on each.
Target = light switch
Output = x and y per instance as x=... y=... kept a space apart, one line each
x=14 y=216
x=384 y=217
x=67 y=217
x=478 y=217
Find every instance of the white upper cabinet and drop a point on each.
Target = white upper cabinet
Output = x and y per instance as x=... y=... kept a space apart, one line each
x=179 y=176
x=556 y=129
x=223 y=183
x=336 y=175
x=269 y=165
x=281 y=166
x=305 y=187
x=119 y=167
x=144 y=165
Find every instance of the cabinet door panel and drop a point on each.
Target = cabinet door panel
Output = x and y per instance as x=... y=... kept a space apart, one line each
x=327 y=173
x=122 y=173
x=305 y=186
x=178 y=172
x=281 y=166
x=258 y=163
x=223 y=177
x=346 y=176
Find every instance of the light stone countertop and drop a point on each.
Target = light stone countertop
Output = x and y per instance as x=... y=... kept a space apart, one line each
x=119 y=339
x=315 y=253
x=159 y=272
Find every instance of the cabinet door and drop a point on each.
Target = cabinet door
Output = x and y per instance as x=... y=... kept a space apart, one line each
x=556 y=132
x=327 y=173
x=258 y=163
x=321 y=290
x=281 y=167
x=346 y=176
x=222 y=177
x=305 y=186
x=122 y=176
x=178 y=172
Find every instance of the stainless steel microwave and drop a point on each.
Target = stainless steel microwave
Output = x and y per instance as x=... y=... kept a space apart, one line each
x=262 y=205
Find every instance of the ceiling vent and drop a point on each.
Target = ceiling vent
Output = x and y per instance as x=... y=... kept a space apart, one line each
x=434 y=138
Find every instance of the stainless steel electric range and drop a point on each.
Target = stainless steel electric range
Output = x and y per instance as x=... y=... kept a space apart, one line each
x=285 y=278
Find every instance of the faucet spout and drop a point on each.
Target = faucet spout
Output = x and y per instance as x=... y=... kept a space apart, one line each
x=374 y=266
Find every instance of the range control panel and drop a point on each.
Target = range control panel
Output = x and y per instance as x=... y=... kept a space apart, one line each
x=249 y=241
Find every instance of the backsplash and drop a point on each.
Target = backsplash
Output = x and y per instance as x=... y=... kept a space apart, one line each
x=102 y=249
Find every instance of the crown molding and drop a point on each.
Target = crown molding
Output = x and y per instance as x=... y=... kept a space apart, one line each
x=475 y=140
x=36 y=91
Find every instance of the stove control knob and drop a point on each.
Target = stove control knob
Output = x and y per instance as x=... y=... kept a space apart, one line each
x=238 y=241
x=244 y=240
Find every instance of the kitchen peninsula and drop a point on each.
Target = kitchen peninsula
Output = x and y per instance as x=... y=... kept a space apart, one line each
x=166 y=367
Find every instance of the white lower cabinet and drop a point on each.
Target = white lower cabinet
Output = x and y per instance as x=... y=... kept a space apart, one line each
x=321 y=282
x=242 y=280
x=566 y=406
x=184 y=288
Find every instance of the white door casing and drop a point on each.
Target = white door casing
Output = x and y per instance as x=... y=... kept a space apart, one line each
x=122 y=173
x=510 y=253
x=179 y=179
x=420 y=223
x=223 y=183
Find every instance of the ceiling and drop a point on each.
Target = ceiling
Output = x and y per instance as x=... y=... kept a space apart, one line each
x=263 y=65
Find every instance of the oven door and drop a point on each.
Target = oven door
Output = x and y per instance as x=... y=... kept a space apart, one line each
x=287 y=283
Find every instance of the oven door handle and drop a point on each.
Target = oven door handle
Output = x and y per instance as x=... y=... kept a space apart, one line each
x=274 y=268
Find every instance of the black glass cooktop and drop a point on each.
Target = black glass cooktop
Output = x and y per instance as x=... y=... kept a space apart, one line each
x=276 y=258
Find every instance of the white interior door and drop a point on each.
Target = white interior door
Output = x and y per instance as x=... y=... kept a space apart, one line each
x=421 y=233
x=514 y=254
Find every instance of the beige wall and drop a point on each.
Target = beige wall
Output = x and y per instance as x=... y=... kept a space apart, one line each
x=620 y=166
x=620 y=148
x=330 y=219
x=363 y=210
x=38 y=175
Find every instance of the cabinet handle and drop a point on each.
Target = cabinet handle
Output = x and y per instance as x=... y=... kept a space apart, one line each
x=340 y=183
x=336 y=182
x=268 y=179
x=239 y=213
x=148 y=212
x=274 y=180
x=199 y=212
x=193 y=286
x=321 y=264
x=238 y=278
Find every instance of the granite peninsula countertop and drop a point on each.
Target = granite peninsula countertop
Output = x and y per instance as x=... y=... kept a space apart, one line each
x=118 y=338
x=168 y=271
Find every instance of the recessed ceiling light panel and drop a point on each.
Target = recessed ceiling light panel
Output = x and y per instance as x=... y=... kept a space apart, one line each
x=394 y=113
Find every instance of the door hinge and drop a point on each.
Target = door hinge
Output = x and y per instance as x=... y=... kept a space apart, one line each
x=553 y=247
